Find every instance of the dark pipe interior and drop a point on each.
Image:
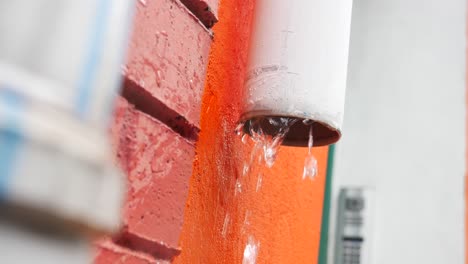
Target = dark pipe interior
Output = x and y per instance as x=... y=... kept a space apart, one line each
x=298 y=134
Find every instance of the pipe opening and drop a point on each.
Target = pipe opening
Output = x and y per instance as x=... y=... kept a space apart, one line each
x=298 y=133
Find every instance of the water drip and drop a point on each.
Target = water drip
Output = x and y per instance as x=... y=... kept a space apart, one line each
x=310 y=163
x=268 y=134
x=271 y=138
x=259 y=182
x=251 y=251
x=238 y=187
x=227 y=220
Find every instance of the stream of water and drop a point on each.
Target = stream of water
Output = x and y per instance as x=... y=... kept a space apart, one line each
x=266 y=145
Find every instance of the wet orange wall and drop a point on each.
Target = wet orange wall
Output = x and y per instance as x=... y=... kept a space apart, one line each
x=284 y=215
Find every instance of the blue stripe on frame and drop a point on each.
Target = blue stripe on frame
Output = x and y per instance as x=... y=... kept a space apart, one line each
x=10 y=137
x=93 y=57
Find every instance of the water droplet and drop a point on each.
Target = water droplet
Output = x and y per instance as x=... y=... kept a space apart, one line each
x=142 y=2
x=310 y=167
x=251 y=251
x=245 y=170
x=238 y=187
x=239 y=129
x=227 y=220
x=158 y=77
x=259 y=182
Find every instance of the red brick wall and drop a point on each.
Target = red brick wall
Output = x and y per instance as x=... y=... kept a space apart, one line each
x=156 y=124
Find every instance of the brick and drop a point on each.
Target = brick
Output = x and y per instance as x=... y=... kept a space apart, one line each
x=205 y=10
x=158 y=163
x=168 y=56
x=108 y=252
x=146 y=103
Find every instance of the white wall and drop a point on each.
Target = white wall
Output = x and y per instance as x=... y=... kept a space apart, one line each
x=404 y=129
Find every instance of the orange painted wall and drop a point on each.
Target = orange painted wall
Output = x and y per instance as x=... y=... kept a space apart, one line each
x=285 y=214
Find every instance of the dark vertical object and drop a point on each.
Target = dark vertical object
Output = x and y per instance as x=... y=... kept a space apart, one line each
x=323 y=248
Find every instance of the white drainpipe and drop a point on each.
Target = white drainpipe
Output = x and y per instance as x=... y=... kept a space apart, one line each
x=298 y=64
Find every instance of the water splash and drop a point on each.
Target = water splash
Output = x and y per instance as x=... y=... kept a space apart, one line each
x=251 y=251
x=269 y=140
x=268 y=133
x=310 y=163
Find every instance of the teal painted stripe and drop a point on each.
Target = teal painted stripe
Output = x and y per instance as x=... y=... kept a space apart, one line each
x=323 y=249
x=93 y=57
x=10 y=138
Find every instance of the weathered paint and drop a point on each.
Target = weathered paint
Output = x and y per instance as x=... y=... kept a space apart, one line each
x=285 y=214
x=158 y=163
